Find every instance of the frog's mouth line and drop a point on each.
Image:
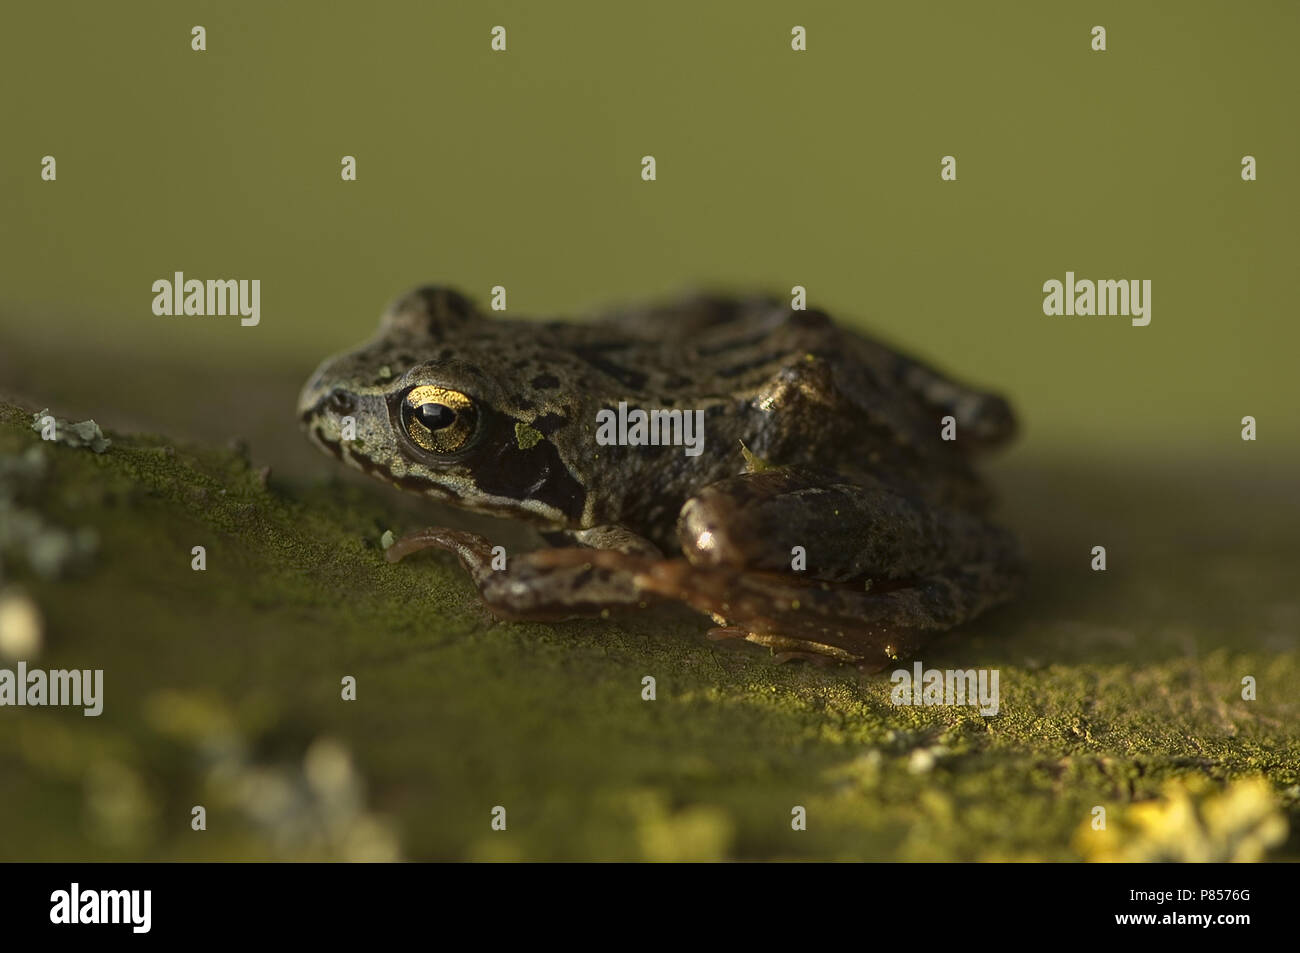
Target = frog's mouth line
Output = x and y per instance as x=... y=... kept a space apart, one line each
x=315 y=435
x=543 y=512
x=365 y=465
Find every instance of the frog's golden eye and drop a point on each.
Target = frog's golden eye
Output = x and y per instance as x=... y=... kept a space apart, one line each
x=438 y=419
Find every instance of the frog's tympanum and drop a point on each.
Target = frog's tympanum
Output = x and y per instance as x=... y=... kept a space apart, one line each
x=830 y=512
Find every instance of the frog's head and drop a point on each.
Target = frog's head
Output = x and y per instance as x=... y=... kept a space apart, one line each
x=449 y=403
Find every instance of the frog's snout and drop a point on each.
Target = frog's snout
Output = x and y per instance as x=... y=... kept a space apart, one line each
x=322 y=393
x=326 y=405
x=310 y=401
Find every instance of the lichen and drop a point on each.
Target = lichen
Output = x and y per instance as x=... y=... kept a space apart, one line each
x=1192 y=821
x=28 y=535
x=85 y=433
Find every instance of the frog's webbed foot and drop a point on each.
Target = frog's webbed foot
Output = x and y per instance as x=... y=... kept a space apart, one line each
x=545 y=585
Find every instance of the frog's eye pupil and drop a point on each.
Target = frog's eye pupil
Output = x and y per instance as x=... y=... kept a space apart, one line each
x=436 y=416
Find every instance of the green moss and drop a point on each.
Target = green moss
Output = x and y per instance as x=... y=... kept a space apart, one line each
x=222 y=688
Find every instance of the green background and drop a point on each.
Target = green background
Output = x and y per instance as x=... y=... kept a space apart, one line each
x=775 y=168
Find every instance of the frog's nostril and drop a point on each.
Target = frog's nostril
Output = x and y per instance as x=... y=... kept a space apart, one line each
x=340 y=402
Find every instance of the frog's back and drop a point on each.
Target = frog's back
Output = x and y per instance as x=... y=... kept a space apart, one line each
x=814 y=391
x=740 y=341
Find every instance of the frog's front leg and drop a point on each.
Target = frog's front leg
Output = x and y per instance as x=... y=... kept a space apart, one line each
x=548 y=584
x=809 y=563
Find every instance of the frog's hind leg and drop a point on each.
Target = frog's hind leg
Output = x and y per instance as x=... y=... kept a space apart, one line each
x=867 y=623
x=811 y=523
x=806 y=562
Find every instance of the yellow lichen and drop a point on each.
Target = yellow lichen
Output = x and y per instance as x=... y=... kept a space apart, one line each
x=1192 y=822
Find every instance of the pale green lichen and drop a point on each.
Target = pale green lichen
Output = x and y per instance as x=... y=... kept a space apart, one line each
x=85 y=433
x=308 y=808
x=25 y=533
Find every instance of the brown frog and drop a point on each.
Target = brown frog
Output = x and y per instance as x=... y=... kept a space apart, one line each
x=817 y=509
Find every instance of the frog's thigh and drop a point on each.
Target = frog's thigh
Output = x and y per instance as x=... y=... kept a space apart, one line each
x=820 y=526
x=548 y=584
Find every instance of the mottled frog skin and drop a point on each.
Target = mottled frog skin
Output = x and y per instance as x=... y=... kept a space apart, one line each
x=815 y=437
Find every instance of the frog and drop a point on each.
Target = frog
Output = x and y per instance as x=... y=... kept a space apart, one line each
x=832 y=513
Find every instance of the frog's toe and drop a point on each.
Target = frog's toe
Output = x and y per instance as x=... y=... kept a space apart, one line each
x=723 y=633
x=784 y=649
x=547 y=584
x=472 y=549
x=816 y=658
